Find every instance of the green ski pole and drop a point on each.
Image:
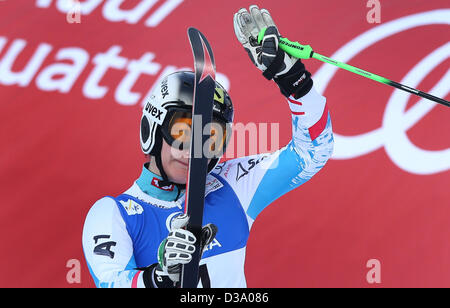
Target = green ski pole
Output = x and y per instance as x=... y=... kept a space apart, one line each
x=297 y=50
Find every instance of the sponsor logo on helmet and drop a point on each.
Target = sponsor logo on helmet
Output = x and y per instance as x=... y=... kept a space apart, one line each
x=164 y=88
x=219 y=96
x=157 y=114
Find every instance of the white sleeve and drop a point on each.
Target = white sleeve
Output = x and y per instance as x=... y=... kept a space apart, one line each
x=260 y=179
x=108 y=247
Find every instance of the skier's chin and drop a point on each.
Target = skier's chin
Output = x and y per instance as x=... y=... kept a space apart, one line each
x=177 y=172
x=178 y=180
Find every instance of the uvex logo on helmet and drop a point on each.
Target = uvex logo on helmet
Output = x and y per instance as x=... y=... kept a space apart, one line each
x=155 y=113
x=164 y=88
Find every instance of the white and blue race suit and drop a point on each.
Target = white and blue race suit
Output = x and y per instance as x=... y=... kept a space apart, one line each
x=122 y=234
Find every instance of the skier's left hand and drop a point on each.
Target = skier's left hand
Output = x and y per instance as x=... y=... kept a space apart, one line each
x=288 y=72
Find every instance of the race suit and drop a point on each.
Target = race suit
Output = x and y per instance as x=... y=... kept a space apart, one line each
x=122 y=234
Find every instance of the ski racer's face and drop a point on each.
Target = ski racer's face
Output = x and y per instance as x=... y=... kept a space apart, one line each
x=175 y=163
x=176 y=142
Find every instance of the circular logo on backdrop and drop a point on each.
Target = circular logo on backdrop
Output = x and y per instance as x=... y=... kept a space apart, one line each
x=396 y=120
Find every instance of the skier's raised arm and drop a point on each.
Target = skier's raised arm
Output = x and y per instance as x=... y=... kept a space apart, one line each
x=260 y=179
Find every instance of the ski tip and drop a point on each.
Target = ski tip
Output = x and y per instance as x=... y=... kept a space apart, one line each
x=192 y=30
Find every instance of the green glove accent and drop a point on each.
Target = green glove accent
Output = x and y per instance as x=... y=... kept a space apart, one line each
x=161 y=249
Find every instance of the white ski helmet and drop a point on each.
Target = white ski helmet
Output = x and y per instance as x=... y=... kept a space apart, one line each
x=173 y=94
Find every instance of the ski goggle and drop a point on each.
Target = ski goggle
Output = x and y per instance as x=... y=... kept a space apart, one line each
x=177 y=131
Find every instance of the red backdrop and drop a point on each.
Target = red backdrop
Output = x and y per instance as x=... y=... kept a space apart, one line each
x=69 y=134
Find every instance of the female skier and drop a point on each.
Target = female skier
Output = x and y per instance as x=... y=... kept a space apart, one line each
x=137 y=238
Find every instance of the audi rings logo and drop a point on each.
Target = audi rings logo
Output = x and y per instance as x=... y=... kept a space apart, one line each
x=396 y=120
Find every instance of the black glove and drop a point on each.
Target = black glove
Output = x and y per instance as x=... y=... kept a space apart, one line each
x=154 y=278
x=297 y=82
